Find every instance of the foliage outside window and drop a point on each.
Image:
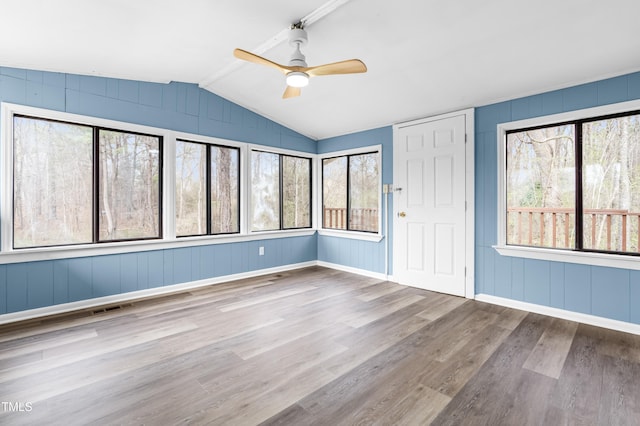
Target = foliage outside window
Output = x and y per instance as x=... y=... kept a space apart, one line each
x=77 y=184
x=129 y=186
x=575 y=185
x=350 y=192
x=280 y=191
x=52 y=183
x=207 y=189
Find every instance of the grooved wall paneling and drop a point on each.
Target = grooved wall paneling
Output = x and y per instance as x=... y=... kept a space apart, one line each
x=606 y=292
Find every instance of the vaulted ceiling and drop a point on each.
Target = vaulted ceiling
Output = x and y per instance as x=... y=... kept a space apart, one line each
x=423 y=57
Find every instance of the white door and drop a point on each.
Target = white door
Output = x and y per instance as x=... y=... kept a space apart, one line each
x=429 y=205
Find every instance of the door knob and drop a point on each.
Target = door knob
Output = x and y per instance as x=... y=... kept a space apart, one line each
x=402 y=214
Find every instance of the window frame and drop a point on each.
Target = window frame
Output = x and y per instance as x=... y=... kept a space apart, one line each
x=281 y=153
x=570 y=255
x=208 y=188
x=347 y=233
x=169 y=240
x=96 y=183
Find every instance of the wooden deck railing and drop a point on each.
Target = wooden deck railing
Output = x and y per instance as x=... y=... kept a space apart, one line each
x=529 y=225
x=361 y=219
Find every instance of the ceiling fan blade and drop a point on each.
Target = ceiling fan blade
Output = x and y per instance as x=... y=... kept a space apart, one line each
x=351 y=66
x=250 y=57
x=291 y=92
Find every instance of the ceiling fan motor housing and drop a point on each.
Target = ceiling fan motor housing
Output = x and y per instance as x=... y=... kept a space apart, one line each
x=298 y=37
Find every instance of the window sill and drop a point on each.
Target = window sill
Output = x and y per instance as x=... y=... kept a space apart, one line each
x=353 y=235
x=87 y=250
x=568 y=256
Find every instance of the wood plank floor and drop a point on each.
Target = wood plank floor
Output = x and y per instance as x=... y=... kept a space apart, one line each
x=316 y=346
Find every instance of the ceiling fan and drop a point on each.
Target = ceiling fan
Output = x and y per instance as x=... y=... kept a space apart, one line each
x=297 y=72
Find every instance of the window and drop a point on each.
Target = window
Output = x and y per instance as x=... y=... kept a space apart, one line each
x=207 y=189
x=76 y=181
x=280 y=191
x=52 y=183
x=128 y=189
x=77 y=184
x=351 y=192
x=575 y=185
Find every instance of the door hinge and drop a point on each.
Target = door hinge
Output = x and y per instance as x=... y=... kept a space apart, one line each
x=465 y=138
x=465 y=271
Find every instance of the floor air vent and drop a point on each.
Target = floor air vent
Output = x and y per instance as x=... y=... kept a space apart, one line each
x=107 y=309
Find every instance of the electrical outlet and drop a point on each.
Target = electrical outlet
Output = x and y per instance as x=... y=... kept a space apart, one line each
x=261 y=251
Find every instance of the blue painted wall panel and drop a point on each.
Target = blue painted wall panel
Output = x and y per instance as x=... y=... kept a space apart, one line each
x=60 y=281
x=580 y=97
x=517 y=279
x=17 y=287
x=556 y=285
x=611 y=293
x=577 y=288
x=3 y=289
x=481 y=282
x=128 y=272
x=634 y=297
x=113 y=88
x=167 y=267
x=93 y=85
x=143 y=271
x=613 y=90
x=150 y=94
x=536 y=281
x=503 y=275
x=80 y=279
x=222 y=259
x=105 y=275
x=54 y=79
x=128 y=91
x=552 y=103
x=13 y=90
x=207 y=264
x=33 y=75
x=182 y=271
x=490 y=270
x=14 y=72
x=633 y=85
x=607 y=292
x=40 y=284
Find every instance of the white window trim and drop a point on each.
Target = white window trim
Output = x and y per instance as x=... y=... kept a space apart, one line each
x=169 y=240
x=355 y=235
x=557 y=255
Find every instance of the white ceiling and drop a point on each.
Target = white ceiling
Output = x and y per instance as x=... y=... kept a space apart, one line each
x=424 y=57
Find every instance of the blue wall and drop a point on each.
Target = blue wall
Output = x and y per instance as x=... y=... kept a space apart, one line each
x=175 y=106
x=360 y=254
x=606 y=292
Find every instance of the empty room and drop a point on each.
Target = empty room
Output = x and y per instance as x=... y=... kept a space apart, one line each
x=320 y=212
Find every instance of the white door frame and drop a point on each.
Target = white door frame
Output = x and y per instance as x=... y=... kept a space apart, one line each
x=469 y=191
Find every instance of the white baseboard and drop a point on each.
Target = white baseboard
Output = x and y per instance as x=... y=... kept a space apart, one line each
x=357 y=271
x=627 y=327
x=127 y=297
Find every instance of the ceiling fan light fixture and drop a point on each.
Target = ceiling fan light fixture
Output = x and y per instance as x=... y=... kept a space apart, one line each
x=297 y=79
